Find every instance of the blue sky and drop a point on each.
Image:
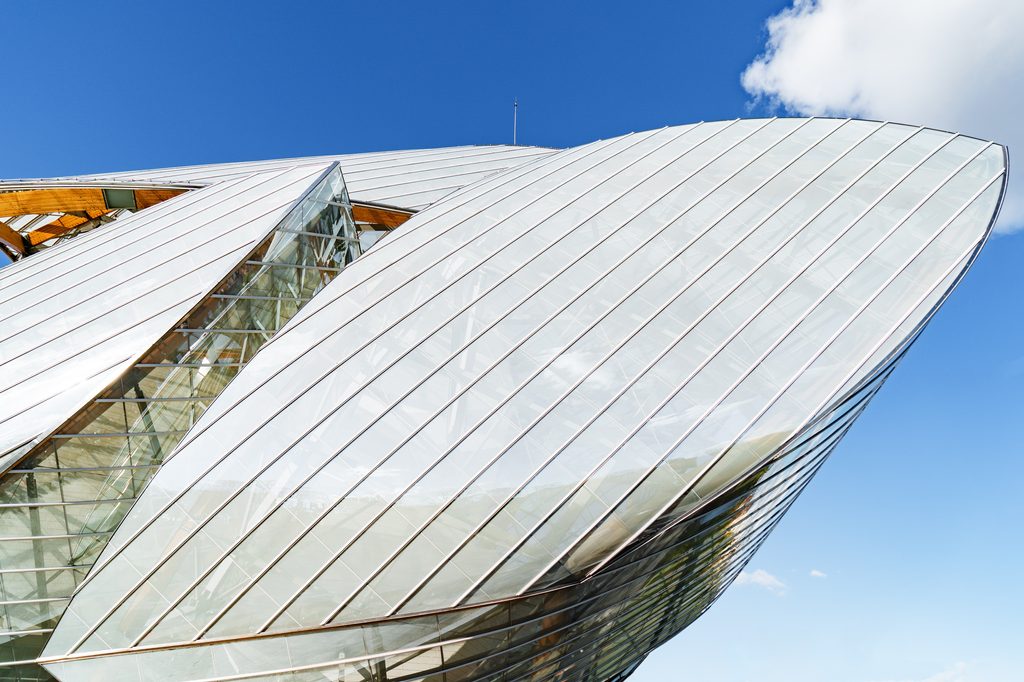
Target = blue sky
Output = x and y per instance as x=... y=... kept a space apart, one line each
x=914 y=524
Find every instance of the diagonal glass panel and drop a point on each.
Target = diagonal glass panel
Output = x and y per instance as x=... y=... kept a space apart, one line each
x=59 y=506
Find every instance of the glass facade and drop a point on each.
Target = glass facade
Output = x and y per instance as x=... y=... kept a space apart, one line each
x=61 y=503
x=532 y=433
x=590 y=631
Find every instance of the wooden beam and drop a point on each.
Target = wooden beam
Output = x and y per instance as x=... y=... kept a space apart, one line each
x=60 y=226
x=11 y=241
x=390 y=218
x=60 y=200
x=144 y=198
x=72 y=199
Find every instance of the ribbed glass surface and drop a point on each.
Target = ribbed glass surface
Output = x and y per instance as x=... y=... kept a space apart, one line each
x=61 y=503
x=546 y=421
x=590 y=632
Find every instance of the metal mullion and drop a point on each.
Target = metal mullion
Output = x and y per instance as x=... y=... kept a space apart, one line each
x=8 y=633
x=41 y=569
x=437 y=168
x=796 y=376
x=683 y=334
x=43 y=260
x=504 y=628
x=170 y=399
x=778 y=494
x=68 y=436
x=699 y=591
x=98 y=342
x=256 y=297
x=898 y=352
x=181 y=276
x=421 y=181
x=198 y=267
x=647 y=320
x=61 y=536
x=393 y=362
x=820 y=253
x=41 y=600
x=69 y=503
x=589 y=152
x=178 y=237
x=491 y=184
x=405 y=650
x=297 y=266
x=52 y=470
x=448 y=209
x=537 y=329
x=218 y=330
x=155 y=365
x=322 y=235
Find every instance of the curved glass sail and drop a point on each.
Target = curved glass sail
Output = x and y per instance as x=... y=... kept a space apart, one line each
x=542 y=426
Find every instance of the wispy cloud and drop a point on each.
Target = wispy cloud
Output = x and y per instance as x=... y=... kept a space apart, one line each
x=954 y=65
x=761 y=578
x=815 y=573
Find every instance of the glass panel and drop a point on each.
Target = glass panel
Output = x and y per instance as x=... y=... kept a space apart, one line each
x=86 y=476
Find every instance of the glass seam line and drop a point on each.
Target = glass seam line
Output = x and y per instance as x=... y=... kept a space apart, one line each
x=123 y=651
x=502 y=165
x=365 y=582
x=254 y=580
x=471 y=340
x=422 y=181
x=850 y=375
x=742 y=547
x=756 y=363
x=501 y=157
x=124 y=228
x=562 y=236
x=279 y=168
x=187 y=439
x=319 y=181
x=130 y=277
x=355 y=167
x=303 y=202
x=690 y=486
x=793 y=234
x=128 y=230
x=197 y=433
x=33 y=442
x=860 y=397
x=208 y=263
x=200 y=293
x=609 y=354
x=889 y=365
x=482 y=190
x=62 y=361
x=779 y=487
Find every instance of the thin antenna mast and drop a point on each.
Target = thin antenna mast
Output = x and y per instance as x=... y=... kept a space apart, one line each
x=515 y=117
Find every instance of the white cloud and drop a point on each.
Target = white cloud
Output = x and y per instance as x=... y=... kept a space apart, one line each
x=954 y=64
x=761 y=578
x=815 y=573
